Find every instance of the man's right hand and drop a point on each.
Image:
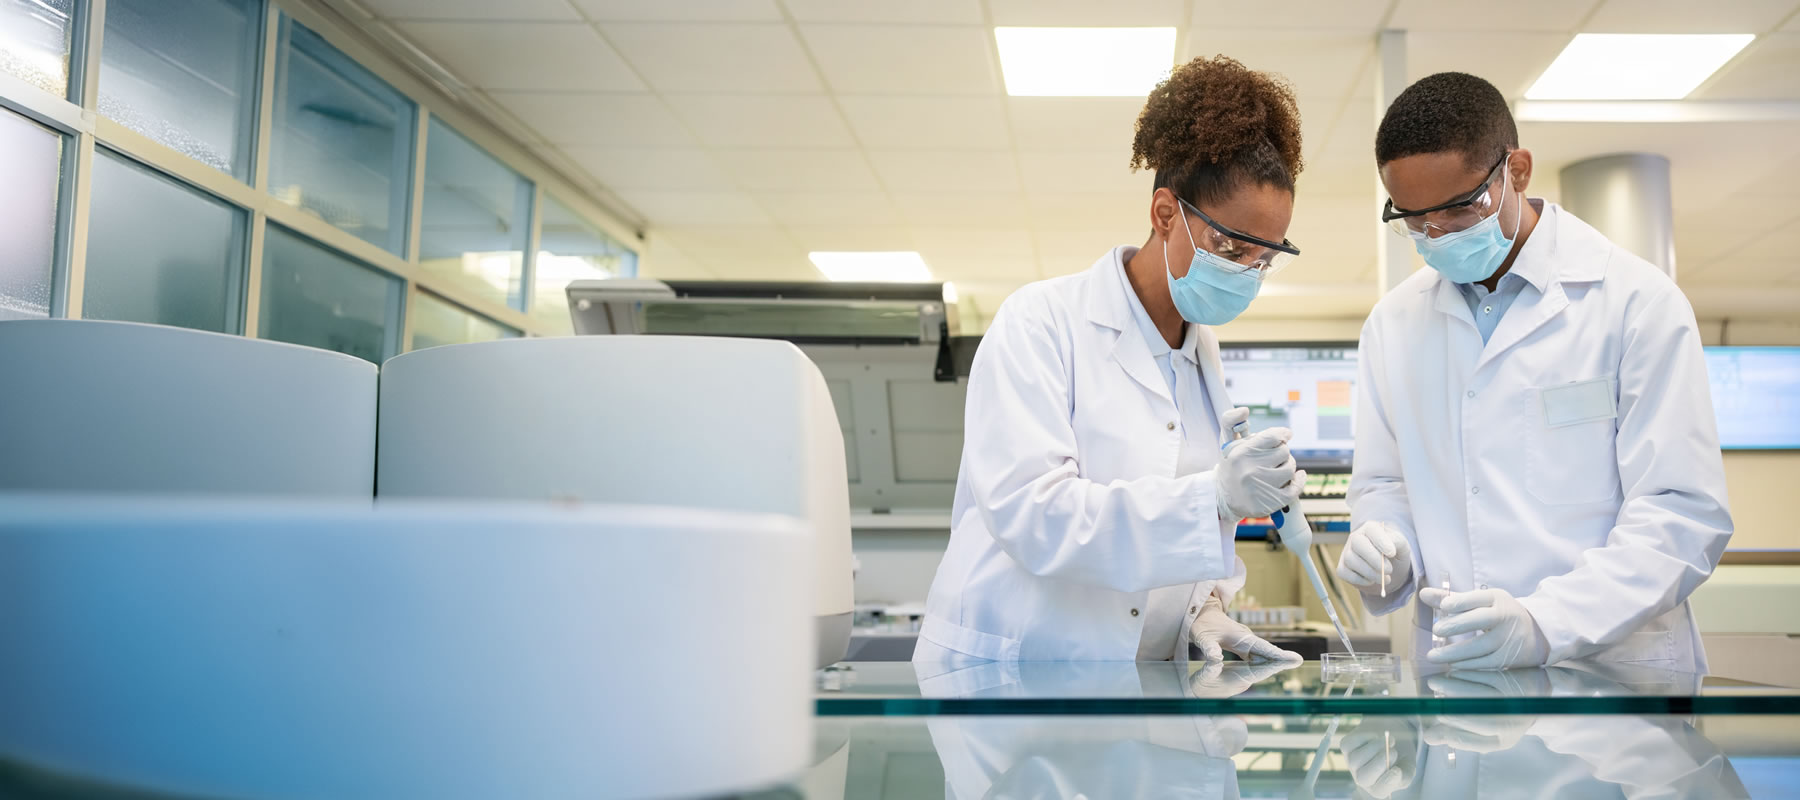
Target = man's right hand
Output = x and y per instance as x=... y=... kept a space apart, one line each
x=1376 y=559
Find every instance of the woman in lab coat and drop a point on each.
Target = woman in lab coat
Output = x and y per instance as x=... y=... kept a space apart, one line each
x=1094 y=513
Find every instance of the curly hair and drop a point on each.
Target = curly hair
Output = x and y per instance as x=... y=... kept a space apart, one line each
x=1214 y=126
x=1448 y=112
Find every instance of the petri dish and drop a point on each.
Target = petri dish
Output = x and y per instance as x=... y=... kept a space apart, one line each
x=1361 y=667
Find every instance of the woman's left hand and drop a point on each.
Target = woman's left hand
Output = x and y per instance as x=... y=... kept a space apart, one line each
x=1215 y=632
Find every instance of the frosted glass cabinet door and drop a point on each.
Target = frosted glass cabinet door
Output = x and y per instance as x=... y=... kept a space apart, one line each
x=476 y=218
x=34 y=42
x=315 y=297
x=183 y=72
x=342 y=143
x=438 y=322
x=161 y=252
x=30 y=164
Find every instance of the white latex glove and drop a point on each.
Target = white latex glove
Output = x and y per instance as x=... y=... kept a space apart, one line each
x=1373 y=550
x=1383 y=754
x=1214 y=632
x=1484 y=734
x=1257 y=476
x=1506 y=635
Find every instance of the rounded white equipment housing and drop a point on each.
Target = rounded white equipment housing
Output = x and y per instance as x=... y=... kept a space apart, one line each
x=125 y=407
x=273 y=649
x=706 y=422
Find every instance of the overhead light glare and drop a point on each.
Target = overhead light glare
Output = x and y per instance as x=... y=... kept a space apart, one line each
x=1635 y=66
x=1084 y=62
x=904 y=266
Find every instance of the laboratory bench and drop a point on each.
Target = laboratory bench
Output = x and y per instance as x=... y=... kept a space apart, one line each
x=1021 y=729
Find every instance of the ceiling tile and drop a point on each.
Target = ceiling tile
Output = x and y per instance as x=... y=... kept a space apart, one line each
x=715 y=57
x=622 y=168
x=716 y=207
x=1086 y=13
x=852 y=237
x=683 y=11
x=789 y=121
x=1070 y=251
x=473 y=9
x=1317 y=63
x=1426 y=17
x=903 y=59
x=1769 y=69
x=1074 y=123
x=1685 y=16
x=960 y=269
x=564 y=56
x=622 y=120
x=1093 y=171
x=962 y=209
x=1510 y=61
x=1792 y=25
x=829 y=208
x=946 y=170
x=950 y=12
x=1090 y=210
x=710 y=240
x=974 y=242
x=797 y=170
x=929 y=123
x=1361 y=15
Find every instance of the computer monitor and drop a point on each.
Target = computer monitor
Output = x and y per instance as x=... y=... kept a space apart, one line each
x=1309 y=387
x=1756 y=396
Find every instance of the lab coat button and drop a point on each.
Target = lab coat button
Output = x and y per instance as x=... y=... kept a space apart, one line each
x=1134 y=612
x=1476 y=490
x=1192 y=610
x=1471 y=392
x=1171 y=426
x=1484 y=586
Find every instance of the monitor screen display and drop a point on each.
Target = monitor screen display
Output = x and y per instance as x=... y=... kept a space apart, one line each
x=1308 y=387
x=1756 y=396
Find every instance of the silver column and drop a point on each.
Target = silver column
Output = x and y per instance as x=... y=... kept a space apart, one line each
x=1626 y=196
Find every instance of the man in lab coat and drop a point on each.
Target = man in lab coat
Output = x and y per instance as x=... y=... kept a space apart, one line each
x=1536 y=454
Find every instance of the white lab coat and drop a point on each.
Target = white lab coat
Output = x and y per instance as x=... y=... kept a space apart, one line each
x=1068 y=508
x=1601 y=525
x=1113 y=757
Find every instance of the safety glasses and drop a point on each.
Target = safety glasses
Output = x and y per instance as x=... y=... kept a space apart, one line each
x=1253 y=254
x=1456 y=215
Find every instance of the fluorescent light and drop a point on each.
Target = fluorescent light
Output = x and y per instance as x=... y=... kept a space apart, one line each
x=1084 y=62
x=1634 y=66
x=872 y=267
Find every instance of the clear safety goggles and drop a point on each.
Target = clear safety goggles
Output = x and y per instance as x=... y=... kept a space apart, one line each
x=1254 y=255
x=1460 y=214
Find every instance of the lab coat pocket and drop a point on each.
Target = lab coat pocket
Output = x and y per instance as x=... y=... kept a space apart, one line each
x=966 y=641
x=1569 y=434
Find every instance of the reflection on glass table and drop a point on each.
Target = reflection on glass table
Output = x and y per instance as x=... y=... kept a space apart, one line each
x=1104 y=688
x=1302 y=757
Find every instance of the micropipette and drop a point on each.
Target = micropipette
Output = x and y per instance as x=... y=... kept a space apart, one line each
x=1296 y=534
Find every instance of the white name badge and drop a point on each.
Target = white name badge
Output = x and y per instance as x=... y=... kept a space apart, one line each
x=1575 y=403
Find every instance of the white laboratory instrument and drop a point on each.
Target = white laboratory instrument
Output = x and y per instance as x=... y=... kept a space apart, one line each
x=692 y=422
x=127 y=407
x=281 y=649
x=1296 y=535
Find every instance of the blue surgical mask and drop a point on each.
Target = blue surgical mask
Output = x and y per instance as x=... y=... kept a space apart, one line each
x=1470 y=255
x=1215 y=290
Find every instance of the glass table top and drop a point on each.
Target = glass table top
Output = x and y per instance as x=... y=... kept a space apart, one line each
x=1162 y=688
x=1303 y=756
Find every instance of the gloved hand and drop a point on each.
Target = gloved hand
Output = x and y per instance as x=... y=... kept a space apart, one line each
x=1257 y=476
x=1484 y=734
x=1383 y=754
x=1214 y=632
x=1218 y=679
x=1370 y=546
x=1506 y=635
